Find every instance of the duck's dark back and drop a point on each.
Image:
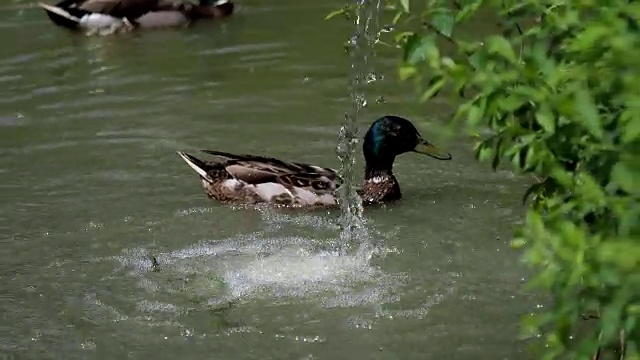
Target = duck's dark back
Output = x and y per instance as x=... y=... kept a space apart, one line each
x=131 y=9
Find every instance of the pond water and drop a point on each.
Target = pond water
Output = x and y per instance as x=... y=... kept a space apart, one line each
x=91 y=187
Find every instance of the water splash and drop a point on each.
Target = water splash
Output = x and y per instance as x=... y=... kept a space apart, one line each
x=360 y=46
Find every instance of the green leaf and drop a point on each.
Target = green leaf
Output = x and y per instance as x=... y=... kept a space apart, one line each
x=511 y=103
x=501 y=46
x=563 y=177
x=467 y=11
x=585 y=107
x=545 y=118
x=531 y=158
x=518 y=243
x=477 y=59
x=405 y=5
x=474 y=115
x=435 y=85
x=484 y=151
x=419 y=48
x=631 y=131
x=406 y=72
x=404 y=37
x=590 y=37
x=626 y=178
x=625 y=254
x=448 y=62
x=335 y=13
x=410 y=46
x=587 y=187
x=396 y=18
x=443 y=23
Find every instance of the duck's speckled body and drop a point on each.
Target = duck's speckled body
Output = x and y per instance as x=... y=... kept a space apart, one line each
x=249 y=179
x=111 y=16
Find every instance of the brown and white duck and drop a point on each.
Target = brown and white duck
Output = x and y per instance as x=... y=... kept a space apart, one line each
x=111 y=16
x=250 y=179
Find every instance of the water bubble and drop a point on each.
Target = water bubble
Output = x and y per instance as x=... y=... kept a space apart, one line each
x=88 y=345
x=37 y=336
x=360 y=101
x=372 y=77
x=387 y=29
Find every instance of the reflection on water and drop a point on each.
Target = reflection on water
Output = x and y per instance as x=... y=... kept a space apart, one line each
x=92 y=188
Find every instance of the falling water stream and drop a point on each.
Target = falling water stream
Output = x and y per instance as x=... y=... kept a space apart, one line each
x=360 y=47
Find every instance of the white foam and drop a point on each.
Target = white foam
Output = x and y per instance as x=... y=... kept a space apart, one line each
x=258 y=267
x=295 y=271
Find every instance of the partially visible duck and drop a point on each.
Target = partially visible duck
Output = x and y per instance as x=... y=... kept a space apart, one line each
x=184 y=13
x=250 y=179
x=109 y=16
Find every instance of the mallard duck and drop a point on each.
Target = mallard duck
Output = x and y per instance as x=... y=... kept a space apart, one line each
x=250 y=179
x=126 y=15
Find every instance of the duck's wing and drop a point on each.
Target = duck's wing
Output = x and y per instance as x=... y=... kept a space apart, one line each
x=313 y=182
x=69 y=3
x=257 y=169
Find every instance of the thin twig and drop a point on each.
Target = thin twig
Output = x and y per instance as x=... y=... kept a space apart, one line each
x=623 y=344
x=596 y=356
x=590 y=316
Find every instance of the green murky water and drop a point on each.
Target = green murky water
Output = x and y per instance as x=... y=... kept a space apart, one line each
x=91 y=186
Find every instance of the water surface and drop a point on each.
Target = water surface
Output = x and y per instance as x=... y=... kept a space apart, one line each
x=91 y=187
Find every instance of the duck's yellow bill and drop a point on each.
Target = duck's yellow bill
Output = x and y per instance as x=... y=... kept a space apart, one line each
x=427 y=148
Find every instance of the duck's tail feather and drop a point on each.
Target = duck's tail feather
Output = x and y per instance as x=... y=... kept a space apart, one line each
x=50 y=9
x=196 y=164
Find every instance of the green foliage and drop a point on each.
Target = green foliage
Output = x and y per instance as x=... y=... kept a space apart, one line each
x=557 y=87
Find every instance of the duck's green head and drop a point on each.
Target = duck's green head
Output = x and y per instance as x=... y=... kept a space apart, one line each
x=391 y=136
